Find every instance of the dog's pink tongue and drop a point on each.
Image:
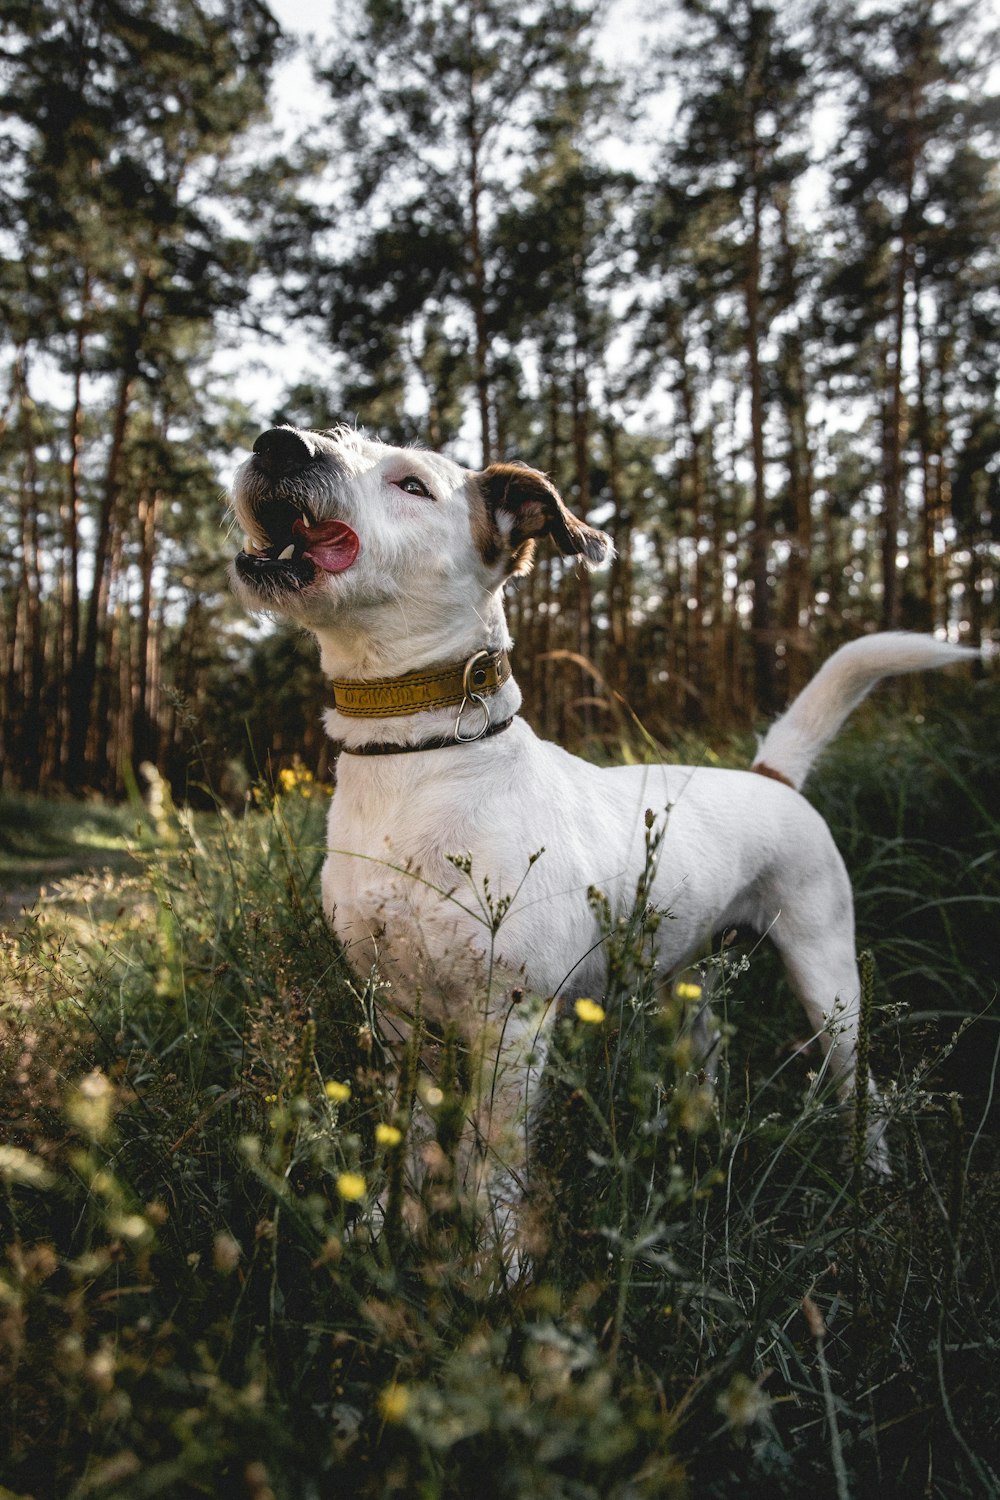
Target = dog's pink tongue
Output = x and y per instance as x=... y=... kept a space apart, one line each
x=331 y=545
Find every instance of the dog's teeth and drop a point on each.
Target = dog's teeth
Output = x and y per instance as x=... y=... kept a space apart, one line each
x=288 y=553
x=306 y=522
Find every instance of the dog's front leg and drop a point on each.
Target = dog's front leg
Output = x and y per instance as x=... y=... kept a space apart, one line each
x=468 y=1091
x=507 y=1059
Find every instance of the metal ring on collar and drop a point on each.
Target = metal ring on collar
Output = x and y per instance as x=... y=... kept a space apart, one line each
x=469 y=696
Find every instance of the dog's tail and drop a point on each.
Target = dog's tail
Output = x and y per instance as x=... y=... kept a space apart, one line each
x=794 y=741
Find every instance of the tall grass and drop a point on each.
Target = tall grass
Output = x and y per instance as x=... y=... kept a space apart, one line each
x=220 y=1279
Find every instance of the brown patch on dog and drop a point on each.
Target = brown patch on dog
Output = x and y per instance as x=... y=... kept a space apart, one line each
x=489 y=540
x=536 y=509
x=522 y=560
x=763 y=769
x=485 y=536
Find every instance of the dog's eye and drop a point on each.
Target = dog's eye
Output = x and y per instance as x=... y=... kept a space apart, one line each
x=414 y=486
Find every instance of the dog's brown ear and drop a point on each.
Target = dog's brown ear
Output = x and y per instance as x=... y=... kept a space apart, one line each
x=524 y=505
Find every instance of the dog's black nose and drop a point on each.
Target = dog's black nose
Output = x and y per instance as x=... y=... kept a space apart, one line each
x=282 y=449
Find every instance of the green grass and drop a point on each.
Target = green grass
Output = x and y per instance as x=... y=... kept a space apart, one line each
x=720 y=1304
x=42 y=840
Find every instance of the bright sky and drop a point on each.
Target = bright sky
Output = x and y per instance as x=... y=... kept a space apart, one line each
x=261 y=371
x=265 y=368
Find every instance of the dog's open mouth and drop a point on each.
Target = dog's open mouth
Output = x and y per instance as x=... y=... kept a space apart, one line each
x=290 y=545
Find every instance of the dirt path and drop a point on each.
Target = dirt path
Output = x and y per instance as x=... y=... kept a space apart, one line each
x=20 y=891
x=14 y=902
x=46 y=841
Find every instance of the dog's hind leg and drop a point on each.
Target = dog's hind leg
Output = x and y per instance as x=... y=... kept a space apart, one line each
x=814 y=933
x=823 y=972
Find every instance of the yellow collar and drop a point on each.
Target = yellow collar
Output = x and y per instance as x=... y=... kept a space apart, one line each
x=384 y=697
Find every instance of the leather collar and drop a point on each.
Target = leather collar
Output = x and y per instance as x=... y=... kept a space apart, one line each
x=440 y=742
x=482 y=675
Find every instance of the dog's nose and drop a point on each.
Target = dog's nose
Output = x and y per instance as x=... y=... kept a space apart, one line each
x=282 y=449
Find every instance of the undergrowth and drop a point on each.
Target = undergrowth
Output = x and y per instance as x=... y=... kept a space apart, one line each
x=41 y=840
x=218 y=1278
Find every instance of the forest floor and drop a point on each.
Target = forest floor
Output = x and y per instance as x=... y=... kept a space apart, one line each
x=45 y=841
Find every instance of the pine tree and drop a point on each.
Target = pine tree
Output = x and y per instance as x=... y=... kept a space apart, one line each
x=916 y=257
x=433 y=97
x=736 y=152
x=118 y=266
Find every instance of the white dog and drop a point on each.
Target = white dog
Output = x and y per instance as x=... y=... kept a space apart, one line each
x=396 y=560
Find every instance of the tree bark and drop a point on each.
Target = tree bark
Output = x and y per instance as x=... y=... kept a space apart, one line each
x=142 y=721
x=477 y=262
x=893 y=426
x=760 y=538
x=619 y=666
x=87 y=667
x=28 y=646
x=70 y=527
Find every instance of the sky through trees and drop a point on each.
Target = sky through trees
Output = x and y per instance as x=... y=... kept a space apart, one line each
x=734 y=287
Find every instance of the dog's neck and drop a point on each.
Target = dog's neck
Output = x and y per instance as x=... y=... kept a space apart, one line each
x=380 y=656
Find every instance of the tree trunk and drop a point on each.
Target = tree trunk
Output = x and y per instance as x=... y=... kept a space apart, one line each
x=892 y=443
x=720 y=665
x=799 y=462
x=580 y=401
x=931 y=427
x=760 y=539
x=29 y=650
x=86 y=677
x=893 y=424
x=619 y=666
x=477 y=263
x=141 y=736
x=695 y=663
x=70 y=526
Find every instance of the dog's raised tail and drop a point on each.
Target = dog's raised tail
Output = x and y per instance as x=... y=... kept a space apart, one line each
x=794 y=741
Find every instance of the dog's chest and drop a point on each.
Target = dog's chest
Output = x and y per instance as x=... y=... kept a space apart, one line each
x=395 y=881
x=431 y=872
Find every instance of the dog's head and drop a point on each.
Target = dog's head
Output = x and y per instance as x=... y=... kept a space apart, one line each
x=338 y=524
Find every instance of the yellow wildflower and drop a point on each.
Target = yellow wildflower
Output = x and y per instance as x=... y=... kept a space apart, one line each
x=351 y=1186
x=337 y=1093
x=433 y=1096
x=393 y=1402
x=387 y=1135
x=296 y=776
x=685 y=990
x=589 y=1011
